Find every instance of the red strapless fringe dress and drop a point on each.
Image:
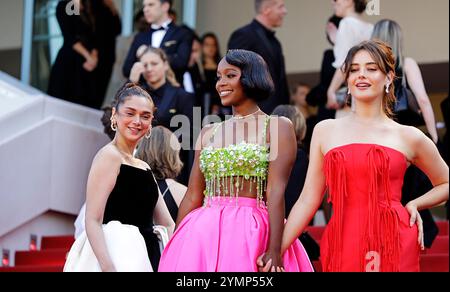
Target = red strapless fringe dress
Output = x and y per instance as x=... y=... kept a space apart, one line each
x=369 y=230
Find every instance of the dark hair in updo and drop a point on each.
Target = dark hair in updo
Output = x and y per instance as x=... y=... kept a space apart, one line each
x=127 y=91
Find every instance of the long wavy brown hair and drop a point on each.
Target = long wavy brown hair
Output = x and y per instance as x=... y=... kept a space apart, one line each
x=383 y=56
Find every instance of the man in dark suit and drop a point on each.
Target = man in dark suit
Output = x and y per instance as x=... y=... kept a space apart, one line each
x=259 y=37
x=176 y=41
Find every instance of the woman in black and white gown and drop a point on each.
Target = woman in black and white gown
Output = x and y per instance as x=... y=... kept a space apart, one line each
x=123 y=201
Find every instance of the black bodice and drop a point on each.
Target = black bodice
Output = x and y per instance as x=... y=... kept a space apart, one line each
x=133 y=199
x=132 y=202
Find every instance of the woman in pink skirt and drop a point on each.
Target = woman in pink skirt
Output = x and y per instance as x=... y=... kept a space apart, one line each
x=233 y=210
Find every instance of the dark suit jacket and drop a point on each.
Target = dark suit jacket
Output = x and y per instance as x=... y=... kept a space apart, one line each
x=172 y=101
x=256 y=38
x=177 y=44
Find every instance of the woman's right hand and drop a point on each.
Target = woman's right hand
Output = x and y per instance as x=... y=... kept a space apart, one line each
x=136 y=72
x=266 y=264
x=91 y=63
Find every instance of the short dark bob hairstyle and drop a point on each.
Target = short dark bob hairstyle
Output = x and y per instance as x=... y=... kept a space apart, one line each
x=255 y=76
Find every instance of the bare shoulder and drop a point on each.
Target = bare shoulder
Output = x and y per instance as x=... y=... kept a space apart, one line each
x=324 y=127
x=282 y=123
x=108 y=156
x=209 y=128
x=280 y=127
x=207 y=133
x=411 y=135
x=144 y=164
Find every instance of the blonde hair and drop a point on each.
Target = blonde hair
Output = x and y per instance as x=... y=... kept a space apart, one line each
x=298 y=120
x=170 y=75
x=162 y=153
x=389 y=31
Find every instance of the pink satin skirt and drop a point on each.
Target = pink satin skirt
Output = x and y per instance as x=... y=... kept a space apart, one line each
x=228 y=235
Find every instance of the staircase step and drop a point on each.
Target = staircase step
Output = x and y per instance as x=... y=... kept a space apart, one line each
x=49 y=257
x=33 y=269
x=434 y=263
x=440 y=246
x=57 y=242
x=317 y=266
x=443 y=228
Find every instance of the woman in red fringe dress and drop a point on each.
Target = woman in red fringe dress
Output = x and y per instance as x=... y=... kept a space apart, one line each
x=361 y=161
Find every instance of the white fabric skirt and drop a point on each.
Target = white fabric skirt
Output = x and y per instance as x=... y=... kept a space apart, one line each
x=125 y=245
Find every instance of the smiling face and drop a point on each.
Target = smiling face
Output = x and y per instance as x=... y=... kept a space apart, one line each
x=366 y=80
x=229 y=84
x=134 y=118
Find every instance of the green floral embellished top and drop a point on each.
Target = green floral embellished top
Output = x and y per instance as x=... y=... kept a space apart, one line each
x=241 y=162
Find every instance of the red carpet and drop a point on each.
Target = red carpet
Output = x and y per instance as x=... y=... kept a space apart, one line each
x=434 y=259
x=50 y=258
x=53 y=253
x=57 y=242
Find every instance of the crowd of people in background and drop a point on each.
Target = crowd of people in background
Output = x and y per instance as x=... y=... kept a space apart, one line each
x=176 y=70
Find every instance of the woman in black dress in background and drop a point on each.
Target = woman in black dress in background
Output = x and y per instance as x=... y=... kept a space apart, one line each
x=108 y=27
x=72 y=76
x=210 y=61
x=122 y=194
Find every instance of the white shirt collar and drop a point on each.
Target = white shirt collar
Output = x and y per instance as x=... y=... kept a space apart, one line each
x=165 y=25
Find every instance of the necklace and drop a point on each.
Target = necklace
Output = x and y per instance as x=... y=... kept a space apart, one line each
x=125 y=154
x=247 y=116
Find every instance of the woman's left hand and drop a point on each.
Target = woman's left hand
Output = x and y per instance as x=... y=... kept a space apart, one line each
x=270 y=262
x=417 y=220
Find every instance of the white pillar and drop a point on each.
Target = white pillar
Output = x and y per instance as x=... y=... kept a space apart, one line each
x=27 y=41
x=190 y=13
x=127 y=17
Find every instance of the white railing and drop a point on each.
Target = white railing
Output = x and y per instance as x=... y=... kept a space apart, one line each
x=46 y=148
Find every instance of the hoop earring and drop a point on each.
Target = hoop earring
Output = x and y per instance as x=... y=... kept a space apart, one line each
x=113 y=125
x=148 y=135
